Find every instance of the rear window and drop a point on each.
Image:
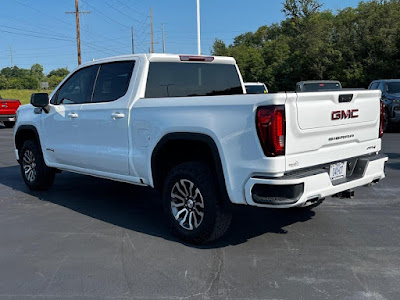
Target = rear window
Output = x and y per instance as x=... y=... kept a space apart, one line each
x=169 y=79
x=312 y=87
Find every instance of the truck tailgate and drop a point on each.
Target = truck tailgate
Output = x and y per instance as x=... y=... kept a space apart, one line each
x=9 y=107
x=324 y=127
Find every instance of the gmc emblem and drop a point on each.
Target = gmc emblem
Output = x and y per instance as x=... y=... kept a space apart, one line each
x=342 y=114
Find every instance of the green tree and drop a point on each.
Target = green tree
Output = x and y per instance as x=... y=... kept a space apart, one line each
x=37 y=72
x=29 y=82
x=3 y=82
x=54 y=81
x=15 y=83
x=61 y=72
x=300 y=8
x=250 y=62
x=14 y=72
x=219 y=48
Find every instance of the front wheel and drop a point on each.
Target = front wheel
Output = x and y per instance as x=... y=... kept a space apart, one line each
x=196 y=210
x=36 y=174
x=9 y=124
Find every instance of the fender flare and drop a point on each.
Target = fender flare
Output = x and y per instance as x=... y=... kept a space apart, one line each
x=198 y=137
x=26 y=128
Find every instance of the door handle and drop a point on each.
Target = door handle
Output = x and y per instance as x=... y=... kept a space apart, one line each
x=117 y=115
x=72 y=115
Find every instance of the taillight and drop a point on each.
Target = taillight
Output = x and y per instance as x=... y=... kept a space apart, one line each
x=382 y=122
x=271 y=129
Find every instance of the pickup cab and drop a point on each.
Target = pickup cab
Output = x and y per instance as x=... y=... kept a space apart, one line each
x=183 y=124
x=8 y=109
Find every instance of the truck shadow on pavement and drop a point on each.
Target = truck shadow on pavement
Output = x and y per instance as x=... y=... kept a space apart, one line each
x=139 y=209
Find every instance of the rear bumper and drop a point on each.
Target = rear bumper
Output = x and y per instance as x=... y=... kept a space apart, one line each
x=7 y=118
x=298 y=189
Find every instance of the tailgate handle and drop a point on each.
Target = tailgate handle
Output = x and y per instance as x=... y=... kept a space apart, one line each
x=345 y=98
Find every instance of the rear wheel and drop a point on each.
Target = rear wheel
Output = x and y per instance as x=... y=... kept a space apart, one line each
x=196 y=210
x=9 y=124
x=36 y=174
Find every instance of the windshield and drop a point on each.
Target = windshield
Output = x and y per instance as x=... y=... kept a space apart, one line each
x=312 y=87
x=393 y=87
x=255 y=89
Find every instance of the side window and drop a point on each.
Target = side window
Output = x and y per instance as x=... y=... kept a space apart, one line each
x=113 y=81
x=78 y=88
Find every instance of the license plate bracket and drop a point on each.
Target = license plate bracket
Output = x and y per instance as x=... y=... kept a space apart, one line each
x=338 y=171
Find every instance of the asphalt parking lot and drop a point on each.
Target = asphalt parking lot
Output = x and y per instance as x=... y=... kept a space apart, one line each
x=89 y=238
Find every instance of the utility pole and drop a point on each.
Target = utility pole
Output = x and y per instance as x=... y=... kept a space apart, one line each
x=11 y=57
x=78 y=34
x=133 y=44
x=198 y=28
x=163 y=39
x=151 y=30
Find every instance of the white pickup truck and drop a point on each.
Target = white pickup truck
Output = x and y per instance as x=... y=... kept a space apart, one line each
x=183 y=124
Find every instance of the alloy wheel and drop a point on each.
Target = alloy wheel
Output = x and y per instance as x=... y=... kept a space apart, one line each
x=187 y=204
x=29 y=165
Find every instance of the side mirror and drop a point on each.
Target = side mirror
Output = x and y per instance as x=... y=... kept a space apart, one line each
x=40 y=100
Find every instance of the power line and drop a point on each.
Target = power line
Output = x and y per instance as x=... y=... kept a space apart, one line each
x=41 y=12
x=22 y=21
x=36 y=32
x=37 y=36
x=141 y=13
x=122 y=13
x=105 y=15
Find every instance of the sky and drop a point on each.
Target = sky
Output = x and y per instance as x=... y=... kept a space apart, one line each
x=39 y=31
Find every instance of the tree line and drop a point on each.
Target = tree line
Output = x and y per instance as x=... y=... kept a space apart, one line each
x=353 y=45
x=19 y=78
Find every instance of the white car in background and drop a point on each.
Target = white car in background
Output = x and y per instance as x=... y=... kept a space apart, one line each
x=255 y=88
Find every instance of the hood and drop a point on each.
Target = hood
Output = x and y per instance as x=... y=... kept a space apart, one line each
x=395 y=96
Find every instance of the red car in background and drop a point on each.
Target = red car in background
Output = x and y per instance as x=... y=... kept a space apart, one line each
x=8 y=110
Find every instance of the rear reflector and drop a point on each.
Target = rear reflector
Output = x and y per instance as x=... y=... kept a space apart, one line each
x=196 y=58
x=271 y=129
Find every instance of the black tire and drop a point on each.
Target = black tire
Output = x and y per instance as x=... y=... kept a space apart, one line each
x=36 y=174
x=9 y=124
x=217 y=213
